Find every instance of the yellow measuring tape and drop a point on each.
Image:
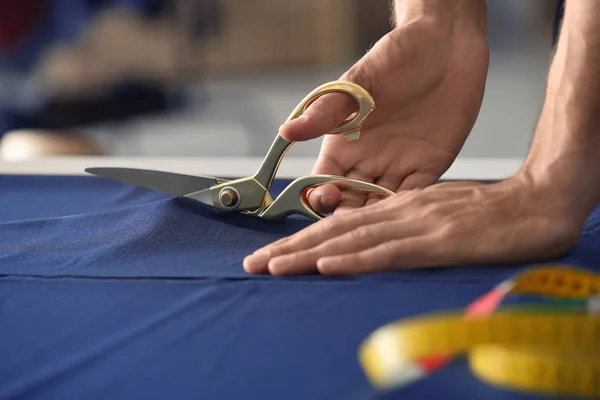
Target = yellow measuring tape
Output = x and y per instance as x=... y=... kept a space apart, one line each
x=546 y=347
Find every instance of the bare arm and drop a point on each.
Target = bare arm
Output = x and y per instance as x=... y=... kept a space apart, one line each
x=564 y=159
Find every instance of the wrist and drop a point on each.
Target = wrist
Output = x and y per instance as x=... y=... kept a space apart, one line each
x=454 y=15
x=563 y=163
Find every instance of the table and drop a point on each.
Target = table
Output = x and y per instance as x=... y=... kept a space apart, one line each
x=113 y=291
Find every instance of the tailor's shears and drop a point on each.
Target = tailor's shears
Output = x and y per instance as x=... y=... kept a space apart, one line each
x=250 y=195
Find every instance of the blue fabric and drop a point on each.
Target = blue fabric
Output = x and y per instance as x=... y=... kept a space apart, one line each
x=112 y=291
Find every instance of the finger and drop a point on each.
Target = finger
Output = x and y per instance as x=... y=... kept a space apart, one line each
x=351 y=199
x=411 y=252
x=418 y=180
x=311 y=236
x=412 y=181
x=389 y=182
x=324 y=199
x=324 y=114
x=361 y=238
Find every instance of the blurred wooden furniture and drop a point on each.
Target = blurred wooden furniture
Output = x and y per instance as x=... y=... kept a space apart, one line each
x=250 y=36
x=261 y=34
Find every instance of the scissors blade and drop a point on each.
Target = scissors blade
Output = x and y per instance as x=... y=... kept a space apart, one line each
x=167 y=182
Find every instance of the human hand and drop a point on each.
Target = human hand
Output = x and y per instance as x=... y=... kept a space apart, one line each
x=449 y=224
x=427 y=80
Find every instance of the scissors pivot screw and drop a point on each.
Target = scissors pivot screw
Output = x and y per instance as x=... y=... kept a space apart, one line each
x=229 y=197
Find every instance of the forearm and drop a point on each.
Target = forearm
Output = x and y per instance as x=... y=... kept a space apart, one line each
x=565 y=153
x=459 y=14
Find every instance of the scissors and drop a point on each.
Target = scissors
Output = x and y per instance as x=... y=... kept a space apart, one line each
x=251 y=195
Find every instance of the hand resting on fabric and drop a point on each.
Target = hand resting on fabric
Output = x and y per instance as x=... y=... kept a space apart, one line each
x=447 y=224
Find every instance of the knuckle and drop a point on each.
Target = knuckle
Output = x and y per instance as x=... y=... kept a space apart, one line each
x=389 y=250
x=448 y=229
x=329 y=109
x=315 y=107
x=361 y=233
x=332 y=223
x=296 y=257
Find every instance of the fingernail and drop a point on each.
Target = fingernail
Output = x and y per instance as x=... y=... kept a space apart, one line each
x=257 y=259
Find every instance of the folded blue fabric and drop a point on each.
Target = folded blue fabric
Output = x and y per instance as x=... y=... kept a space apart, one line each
x=112 y=291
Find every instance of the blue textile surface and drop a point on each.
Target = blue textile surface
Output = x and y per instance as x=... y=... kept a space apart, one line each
x=112 y=291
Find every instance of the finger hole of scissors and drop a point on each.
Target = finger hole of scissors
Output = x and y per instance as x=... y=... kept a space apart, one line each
x=351 y=105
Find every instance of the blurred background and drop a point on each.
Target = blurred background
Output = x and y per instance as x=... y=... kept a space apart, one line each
x=185 y=78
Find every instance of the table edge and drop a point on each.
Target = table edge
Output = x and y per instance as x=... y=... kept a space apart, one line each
x=464 y=168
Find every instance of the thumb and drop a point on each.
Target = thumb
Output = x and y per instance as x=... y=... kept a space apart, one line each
x=324 y=114
x=324 y=199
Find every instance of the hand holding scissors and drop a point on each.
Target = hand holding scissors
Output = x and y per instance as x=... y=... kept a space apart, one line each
x=250 y=195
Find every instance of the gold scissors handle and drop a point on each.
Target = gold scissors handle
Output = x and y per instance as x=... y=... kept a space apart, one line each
x=294 y=200
x=350 y=129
